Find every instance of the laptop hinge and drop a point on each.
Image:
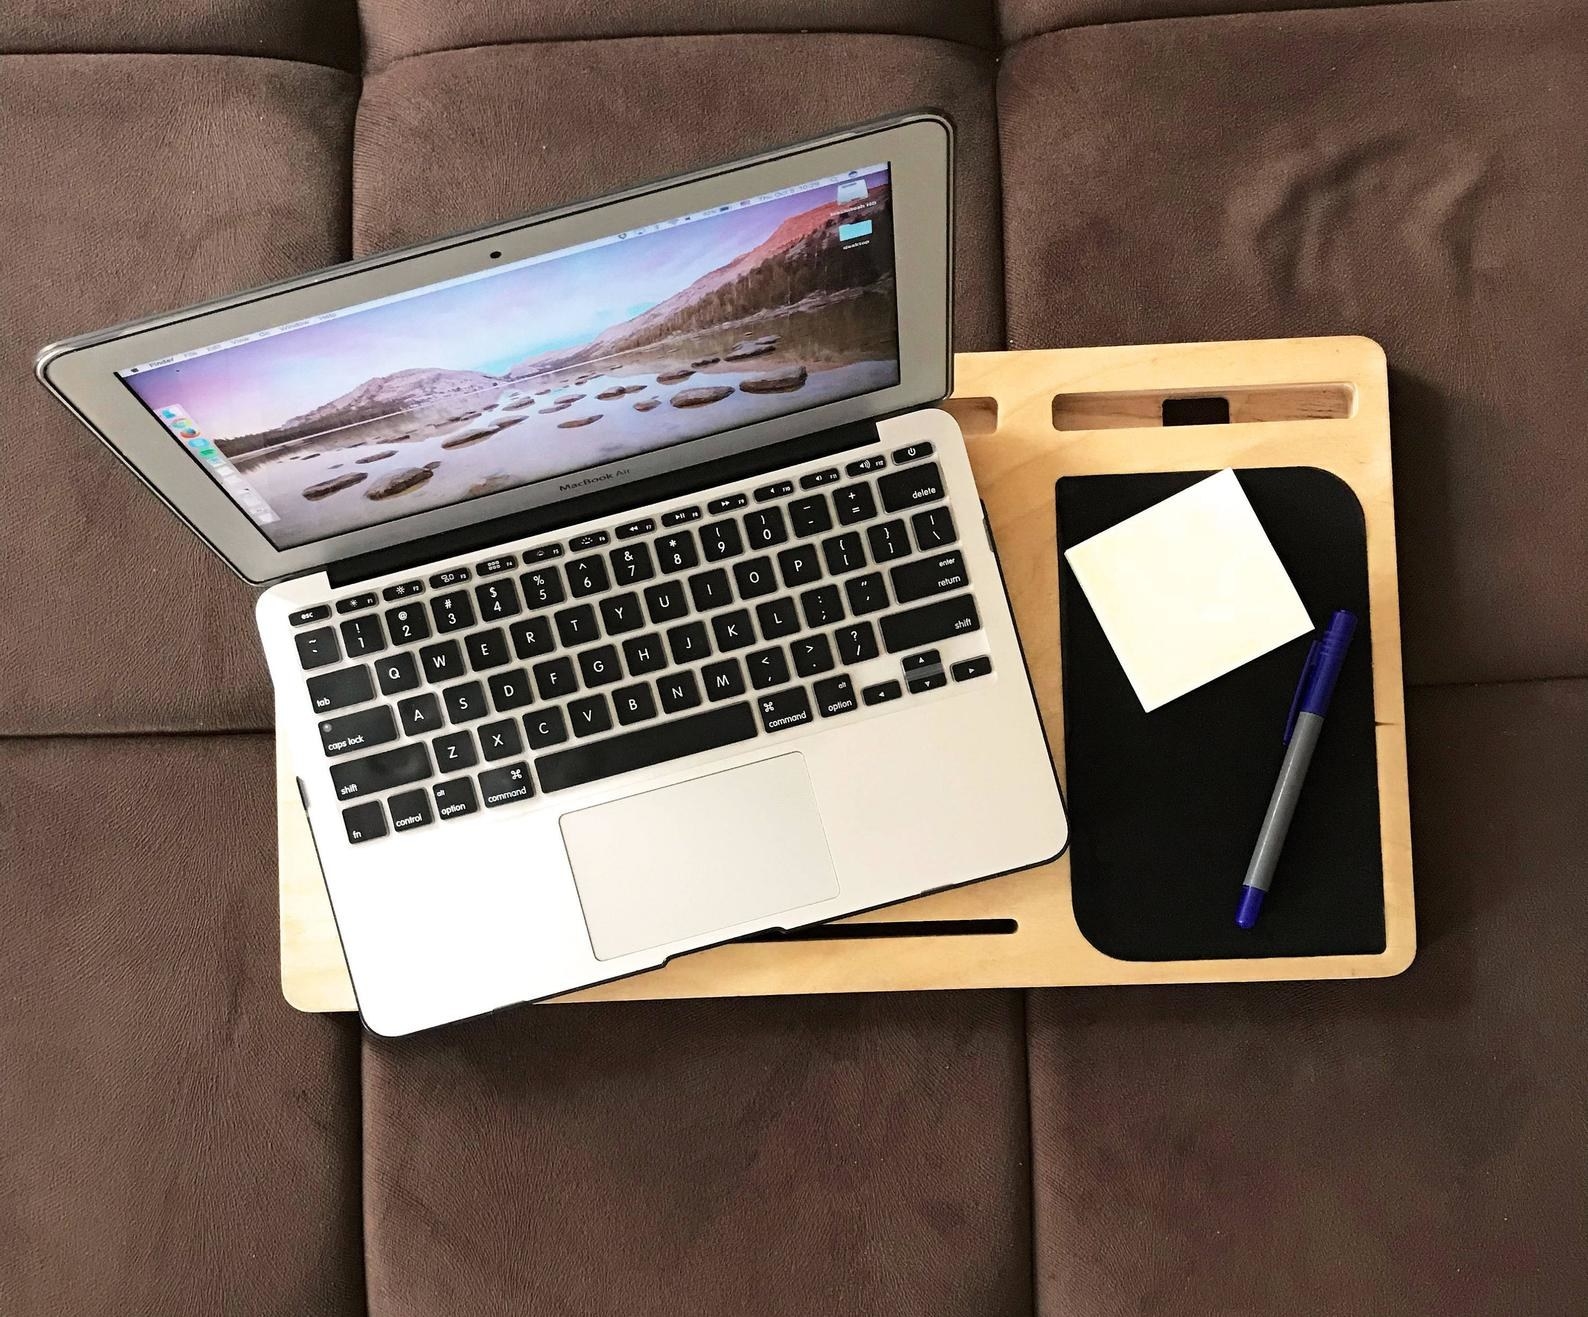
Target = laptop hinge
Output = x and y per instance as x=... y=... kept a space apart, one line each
x=601 y=504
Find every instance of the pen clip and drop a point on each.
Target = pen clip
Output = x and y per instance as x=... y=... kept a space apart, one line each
x=1301 y=686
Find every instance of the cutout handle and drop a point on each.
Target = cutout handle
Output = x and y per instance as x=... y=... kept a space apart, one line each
x=1159 y=407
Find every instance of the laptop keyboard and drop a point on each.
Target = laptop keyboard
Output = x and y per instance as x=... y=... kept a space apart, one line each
x=655 y=639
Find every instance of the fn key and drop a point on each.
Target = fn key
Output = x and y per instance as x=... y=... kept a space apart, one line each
x=364 y=822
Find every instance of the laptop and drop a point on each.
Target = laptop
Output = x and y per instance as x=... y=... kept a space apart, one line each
x=627 y=592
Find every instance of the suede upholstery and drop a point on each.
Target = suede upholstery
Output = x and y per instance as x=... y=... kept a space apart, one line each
x=174 y=1138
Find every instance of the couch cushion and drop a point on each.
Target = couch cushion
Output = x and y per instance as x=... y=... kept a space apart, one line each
x=461 y=138
x=1402 y=171
x=1018 y=19
x=780 y=1156
x=395 y=29
x=318 y=31
x=125 y=196
x=1408 y=1145
x=173 y=1137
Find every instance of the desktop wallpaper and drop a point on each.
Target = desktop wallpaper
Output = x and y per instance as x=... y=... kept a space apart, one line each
x=546 y=368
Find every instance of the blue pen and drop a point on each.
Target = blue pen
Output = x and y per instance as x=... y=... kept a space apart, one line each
x=1302 y=725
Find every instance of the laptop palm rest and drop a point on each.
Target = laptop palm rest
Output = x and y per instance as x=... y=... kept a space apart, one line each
x=708 y=854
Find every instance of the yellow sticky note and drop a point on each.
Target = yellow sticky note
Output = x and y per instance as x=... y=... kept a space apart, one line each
x=1188 y=590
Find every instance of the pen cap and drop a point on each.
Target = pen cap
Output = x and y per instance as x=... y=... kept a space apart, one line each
x=1326 y=660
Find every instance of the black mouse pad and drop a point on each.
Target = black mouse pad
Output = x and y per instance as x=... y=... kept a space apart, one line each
x=1165 y=806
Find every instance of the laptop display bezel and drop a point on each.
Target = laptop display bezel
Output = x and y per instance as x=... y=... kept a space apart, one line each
x=916 y=148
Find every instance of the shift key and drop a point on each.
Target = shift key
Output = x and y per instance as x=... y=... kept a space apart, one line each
x=390 y=768
x=928 y=624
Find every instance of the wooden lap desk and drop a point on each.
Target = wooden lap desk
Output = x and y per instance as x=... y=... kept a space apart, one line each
x=1030 y=418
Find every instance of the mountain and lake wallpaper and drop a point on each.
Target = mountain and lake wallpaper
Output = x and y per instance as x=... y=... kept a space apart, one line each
x=554 y=366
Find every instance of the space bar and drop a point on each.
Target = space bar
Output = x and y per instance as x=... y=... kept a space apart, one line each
x=651 y=745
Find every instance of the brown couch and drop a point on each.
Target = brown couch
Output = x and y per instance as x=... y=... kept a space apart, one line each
x=175 y=1139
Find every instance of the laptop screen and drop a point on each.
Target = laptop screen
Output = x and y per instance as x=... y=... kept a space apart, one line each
x=540 y=368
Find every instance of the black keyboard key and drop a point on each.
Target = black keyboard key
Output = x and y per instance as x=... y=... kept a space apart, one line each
x=503 y=563
x=317 y=648
x=542 y=554
x=545 y=728
x=402 y=590
x=362 y=635
x=455 y=798
x=631 y=564
x=635 y=704
x=630 y=529
x=678 y=692
x=728 y=503
x=408 y=624
x=926 y=625
x=643 y=654
x=454 y=751
x=364 y=822
x=754 y=577
x=857 y=642
x=812 y=655
x=777 y=618
x=620 y=614
x=577 y=626
x=337 y=690
x=721 y=540
x=593 y=540
x=934 y=527
x=452 y=576
x=816 y=479
x=442 y=661
x=924 y=672
x=843 y=553
x=866 y=465
x=799 y=565
x=678 y=516
x=532 y=637
x=787 y=708
x=854 y=503
x=911 y=488
x=884 y=692
x=688 y=642
x=509 y=690
x=452 y=612
x=502 y=786
x=497 y=599
x=723 y=679
x=710 y=590
x=500 y=740
x=733 y=630
x=355 y=603
x=465 y=702
x=971 y=668
x=912 y=452
x=306 y=615
x=666 y=602
x=542 y=587
x=822 y=606
x=782 y=489
x=588 y=576
x=379 y=772
x=764 y=528
x=588 y=716
x=866 y=593
x=929 y=576
x=487 y=649
x=927 y=659
x=834 y=696
x=767 y=668
x=599 y=666
x=357 y=731
x=419 y=713
x=677 y=552
x=672 y=738
x=810 y=516
x=888 y=540
x=398 y=672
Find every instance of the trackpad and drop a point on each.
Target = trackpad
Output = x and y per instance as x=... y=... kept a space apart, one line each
x=705 y=855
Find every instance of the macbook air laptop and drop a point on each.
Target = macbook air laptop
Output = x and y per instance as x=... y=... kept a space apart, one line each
x=628 y=594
